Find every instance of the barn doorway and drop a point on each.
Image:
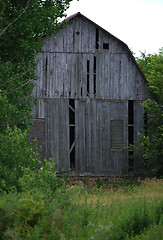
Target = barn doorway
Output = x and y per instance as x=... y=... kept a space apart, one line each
x=72 y=133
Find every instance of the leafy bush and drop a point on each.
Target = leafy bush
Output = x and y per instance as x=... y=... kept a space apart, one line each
x=16 y=154
x=150 y=142
x=34 y=215
x=149 y=145
x=31 y=214
x=43 y=178
x=154 y=232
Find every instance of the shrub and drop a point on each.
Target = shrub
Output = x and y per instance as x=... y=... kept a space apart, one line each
x=16 y=154
x=35 y=215
x=43 y=178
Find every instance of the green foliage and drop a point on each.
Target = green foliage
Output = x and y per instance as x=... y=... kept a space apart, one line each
x=150 y=143
x=155 y=232
x=43 y=178
x=24 y=23
x=152 y=66
x=16 y=154
x=32 y=215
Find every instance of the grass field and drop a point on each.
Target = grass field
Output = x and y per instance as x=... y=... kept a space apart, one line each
x=125 y=210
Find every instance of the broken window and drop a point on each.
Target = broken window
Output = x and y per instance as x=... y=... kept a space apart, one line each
x=72 y=133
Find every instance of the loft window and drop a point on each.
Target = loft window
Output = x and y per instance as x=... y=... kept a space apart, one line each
x=116 y=134
x=45 y=76
x=97 y=38
x=105 y=45
x=94 y=75
x=88 y=70
x=130 y=112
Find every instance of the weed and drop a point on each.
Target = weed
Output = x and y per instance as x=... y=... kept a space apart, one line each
x=77 y=212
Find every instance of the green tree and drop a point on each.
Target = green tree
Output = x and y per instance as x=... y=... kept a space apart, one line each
x=152 y=66
x=23 y=23
x=16 y=155
x=150 y=142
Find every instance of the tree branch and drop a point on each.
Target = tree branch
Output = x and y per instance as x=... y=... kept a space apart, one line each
x=15 y=18
x=20 y=86
x=1 y=85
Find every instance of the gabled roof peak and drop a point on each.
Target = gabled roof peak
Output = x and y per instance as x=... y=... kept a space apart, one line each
x=99 y=27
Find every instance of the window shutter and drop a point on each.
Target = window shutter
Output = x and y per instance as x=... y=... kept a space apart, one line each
x=116 y=134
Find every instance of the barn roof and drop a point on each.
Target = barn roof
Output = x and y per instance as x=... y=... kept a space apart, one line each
x=78 y=14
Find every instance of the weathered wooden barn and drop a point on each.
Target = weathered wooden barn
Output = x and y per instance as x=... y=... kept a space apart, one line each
x=89 y=93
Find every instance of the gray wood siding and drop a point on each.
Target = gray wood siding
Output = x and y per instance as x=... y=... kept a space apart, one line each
x=62 y=67
x=92 y=135
x=117 y=77
x=57 y=132
x=64 y=70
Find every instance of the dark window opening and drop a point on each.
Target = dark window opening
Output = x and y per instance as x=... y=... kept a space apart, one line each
x=88 y=69
x=46 y=64
x=94 y=65
x=77 y=33
x=45 y=75
x=130 y=112
x=94 y=85
x=72 y=157
x=105 y=45
x=97 y=38
x=72 y=133
x=94 y=75
x=131 y=134
x=72 y=104
x=81 y=91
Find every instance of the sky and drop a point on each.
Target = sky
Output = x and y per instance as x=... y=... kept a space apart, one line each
x=138 y=23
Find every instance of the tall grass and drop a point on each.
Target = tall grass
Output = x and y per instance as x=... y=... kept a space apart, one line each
x=118 y=192
x=77 y=212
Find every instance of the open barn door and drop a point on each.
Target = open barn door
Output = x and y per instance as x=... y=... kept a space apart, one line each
x=72 y=133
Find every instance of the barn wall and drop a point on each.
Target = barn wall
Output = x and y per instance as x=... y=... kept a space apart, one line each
x=116 y=77
x=101 y=82
x=93 y=153
x=62 y=68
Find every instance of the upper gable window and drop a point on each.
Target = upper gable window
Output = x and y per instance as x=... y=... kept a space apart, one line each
x=105 y=45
